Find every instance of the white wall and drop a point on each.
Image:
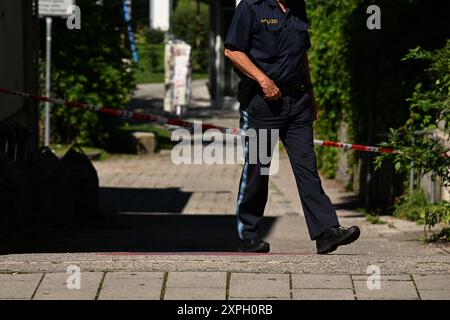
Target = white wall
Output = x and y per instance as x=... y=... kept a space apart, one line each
x=18 y=67
x=160 y=14
x=11 y=55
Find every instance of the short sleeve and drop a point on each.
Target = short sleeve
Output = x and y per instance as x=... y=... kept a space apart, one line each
x=302 y=9
x=239 y=33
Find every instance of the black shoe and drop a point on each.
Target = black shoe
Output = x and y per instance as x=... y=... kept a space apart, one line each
x=255 y=245
x=331 y=239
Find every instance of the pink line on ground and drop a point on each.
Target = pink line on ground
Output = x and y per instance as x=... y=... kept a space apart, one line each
x=238 y=254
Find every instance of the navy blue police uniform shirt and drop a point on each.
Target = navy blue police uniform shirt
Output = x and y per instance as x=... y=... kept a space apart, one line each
x=275 y=41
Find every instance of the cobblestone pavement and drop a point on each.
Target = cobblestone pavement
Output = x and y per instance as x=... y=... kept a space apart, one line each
x=168 y=232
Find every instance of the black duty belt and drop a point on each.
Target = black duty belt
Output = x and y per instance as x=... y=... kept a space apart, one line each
x=294 y=90
x=248 y=88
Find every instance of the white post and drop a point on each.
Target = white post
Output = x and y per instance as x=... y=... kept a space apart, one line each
x=411 y=174
x=49 y=21
x=218 y=55
x=433 y=175
x=170 y=19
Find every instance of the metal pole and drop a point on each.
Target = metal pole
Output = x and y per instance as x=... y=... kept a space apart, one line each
x=411 y=178
x=151 y=13
x=433 y=175
x=433 y=187
x=411 y=174
x=218 y=55
x=49 y=21
x=170 y=19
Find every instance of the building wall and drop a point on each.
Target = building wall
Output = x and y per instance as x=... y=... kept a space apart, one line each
x=19 y=62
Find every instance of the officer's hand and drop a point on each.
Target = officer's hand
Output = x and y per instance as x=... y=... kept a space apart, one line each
x=270 y=89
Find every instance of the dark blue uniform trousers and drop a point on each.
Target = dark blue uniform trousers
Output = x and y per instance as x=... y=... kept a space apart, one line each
x=293 y=117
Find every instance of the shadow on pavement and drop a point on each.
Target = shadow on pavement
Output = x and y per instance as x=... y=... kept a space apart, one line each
x=156 y=107
x=202 y=113
x=146 y=104
x=144 y=232
x=348 y=203
x=170 y=200
x=130 y=223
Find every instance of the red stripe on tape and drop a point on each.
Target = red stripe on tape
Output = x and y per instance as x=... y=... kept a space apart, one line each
x=176 y=122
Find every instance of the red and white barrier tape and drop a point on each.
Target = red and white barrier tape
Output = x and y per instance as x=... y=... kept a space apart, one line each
x=348 y=146
x=176 y=122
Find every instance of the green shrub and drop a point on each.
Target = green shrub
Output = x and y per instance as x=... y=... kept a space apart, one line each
x=416 y=207
x=433 y=214
x=330 y=73
x=150 y=44
x=429 y=109
x=154 y=36
x=374 y=219
x=359 y=75
x=443 y=235
x=409 y=206
x=91 y=65
x=191 y=24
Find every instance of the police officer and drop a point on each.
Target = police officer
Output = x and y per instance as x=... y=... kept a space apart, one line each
x=268 y=42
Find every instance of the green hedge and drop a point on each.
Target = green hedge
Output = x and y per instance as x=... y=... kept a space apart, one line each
x=330 y=73
x=151 y=46
x=90 y=65
x=191 y=24
x=429 y=109
x=434 y=216
x=360 y=78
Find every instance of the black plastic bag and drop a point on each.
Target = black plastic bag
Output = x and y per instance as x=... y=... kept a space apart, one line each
x=15 y=209
x=53 y=192
x=7 y=137
x=85 y=181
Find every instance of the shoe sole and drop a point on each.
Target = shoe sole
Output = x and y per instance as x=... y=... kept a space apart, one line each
x=348 y=240
x=263 y=249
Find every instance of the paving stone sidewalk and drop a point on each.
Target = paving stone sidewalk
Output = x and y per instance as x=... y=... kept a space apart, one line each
x=220 y=286
x=169 y=232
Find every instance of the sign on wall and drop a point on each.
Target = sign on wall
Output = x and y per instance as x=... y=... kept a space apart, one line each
x=54 y=8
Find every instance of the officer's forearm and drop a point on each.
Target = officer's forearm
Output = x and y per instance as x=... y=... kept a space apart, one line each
x=245 y=65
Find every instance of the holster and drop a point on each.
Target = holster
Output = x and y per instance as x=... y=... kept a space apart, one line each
x=247 y=89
